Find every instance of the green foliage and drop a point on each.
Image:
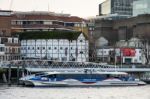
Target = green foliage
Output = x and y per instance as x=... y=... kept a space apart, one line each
x=70 y=35
x=2 y=70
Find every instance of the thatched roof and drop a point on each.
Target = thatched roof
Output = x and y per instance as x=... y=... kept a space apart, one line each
x=70 y=35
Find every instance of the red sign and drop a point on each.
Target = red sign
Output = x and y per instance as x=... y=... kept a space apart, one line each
x=128 y=52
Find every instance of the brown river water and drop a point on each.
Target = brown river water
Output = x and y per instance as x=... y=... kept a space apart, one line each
x=130 y=92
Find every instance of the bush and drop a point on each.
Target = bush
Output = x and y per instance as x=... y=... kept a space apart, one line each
x=2 y=70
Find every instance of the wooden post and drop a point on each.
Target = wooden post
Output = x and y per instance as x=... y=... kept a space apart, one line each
x=4 y=78
x=23 y=69
x=9 y=75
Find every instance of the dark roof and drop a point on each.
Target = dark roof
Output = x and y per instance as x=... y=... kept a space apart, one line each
x=48 y=17
x=70 y=35
x=5 y=11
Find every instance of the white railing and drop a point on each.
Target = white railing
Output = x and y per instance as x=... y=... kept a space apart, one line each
x=53 y=64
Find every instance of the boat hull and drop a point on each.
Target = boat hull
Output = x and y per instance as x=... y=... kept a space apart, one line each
x=63 y=79
x=146 y=81
x=80 y=84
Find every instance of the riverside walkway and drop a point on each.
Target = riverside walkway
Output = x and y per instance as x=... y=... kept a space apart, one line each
x=27 y=67
x=48 y=65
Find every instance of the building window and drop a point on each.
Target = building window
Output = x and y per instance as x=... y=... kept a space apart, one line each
x=9 y=40
x=71 y=48
x=13 y=22
x=81 y=52
x=6 y=49
x=61 y=48
x=38 y=48
x=49 y=48
x=43 y=48
x=33 y=48
x=81 y=41
x=28 y=48
x=18 y=50
x=1 y=49
x=55 y=48
x=140 y=58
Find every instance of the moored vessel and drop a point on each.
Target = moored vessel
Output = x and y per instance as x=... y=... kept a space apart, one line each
x=86 y=78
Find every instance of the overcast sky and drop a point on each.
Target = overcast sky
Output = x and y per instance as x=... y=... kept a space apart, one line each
x=82 y=8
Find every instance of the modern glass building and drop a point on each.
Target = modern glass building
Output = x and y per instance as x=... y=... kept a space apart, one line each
x=141 y=7
x=120 y=7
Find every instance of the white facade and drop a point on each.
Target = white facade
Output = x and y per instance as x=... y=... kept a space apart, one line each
x=56 y=49
x=104 y=54
x=138 y=58
x=9 y=48
x=2 y=49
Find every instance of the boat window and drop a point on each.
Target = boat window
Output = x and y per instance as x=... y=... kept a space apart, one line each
x=115 y=76
x=51 y=76
x=100 y=76
x=81 y=76
x=108 y=76
x=71 y=76
x=40 y=74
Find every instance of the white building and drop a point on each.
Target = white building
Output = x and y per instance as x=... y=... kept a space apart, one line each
x=103 y=54
x=138 y=58
x=123 y=55
x=9 y=49
x=69 y=46
x=2 y=52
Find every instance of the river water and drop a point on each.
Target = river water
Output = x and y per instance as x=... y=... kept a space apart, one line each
x=14 y=92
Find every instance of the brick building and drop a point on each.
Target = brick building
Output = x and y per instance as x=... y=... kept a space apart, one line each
x=9 y=49
x=124 y=29
x=46 y=21
x=5 y=23
x=11 y=22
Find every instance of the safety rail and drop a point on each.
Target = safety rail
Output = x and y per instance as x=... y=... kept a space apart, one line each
x=53 y=64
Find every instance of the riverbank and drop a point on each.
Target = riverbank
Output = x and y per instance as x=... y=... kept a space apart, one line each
x=9 y=76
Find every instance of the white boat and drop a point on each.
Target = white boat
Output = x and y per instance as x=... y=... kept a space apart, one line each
x=86 y=78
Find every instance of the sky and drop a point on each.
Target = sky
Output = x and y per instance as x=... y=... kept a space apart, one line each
x=81 y=8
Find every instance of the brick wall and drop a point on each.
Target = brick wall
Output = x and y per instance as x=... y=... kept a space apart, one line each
x=5 y=25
